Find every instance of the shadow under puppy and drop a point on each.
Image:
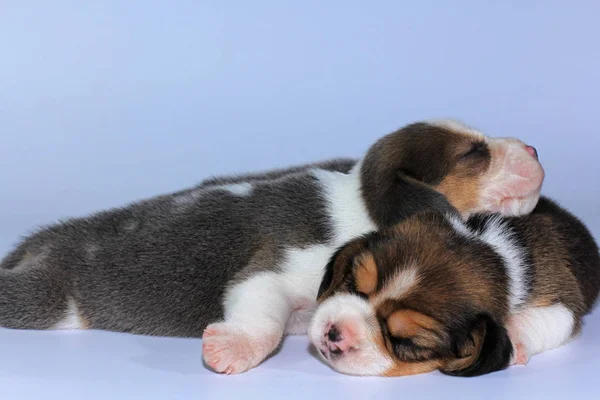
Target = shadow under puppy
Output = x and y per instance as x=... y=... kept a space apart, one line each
x=468 y=298
x=243 y=256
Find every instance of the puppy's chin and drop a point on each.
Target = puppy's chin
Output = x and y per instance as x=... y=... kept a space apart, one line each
x=508 y=206
x=361 y=349
x=517 y=206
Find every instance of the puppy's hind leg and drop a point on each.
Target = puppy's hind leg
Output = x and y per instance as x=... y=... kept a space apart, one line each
x=36 y=299
x=538 y=329
x=256 y=312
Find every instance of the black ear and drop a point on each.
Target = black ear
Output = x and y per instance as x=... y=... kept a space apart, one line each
x=487 y=348
x=416 y=196
x=340 y=265
x=402 y=196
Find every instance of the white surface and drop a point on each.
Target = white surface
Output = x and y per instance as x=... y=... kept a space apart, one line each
x=104 y=365
x=102 y=103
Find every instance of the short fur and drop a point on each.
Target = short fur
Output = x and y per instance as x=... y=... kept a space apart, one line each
x=249 y=250
x=481 y=295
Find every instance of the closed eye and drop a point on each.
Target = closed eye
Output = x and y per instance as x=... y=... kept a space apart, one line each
x=476 y=150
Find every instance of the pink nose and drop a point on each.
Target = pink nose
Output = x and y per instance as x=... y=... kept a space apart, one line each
x=339 y=339
x=532 y=151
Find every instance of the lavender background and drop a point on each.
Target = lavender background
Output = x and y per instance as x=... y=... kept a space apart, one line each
x=103 y=103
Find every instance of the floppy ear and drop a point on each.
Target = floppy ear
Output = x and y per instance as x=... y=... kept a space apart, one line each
x=400 y=171
x=340 y=265
x=399 y=196
x=486 y=349
x=416 y=196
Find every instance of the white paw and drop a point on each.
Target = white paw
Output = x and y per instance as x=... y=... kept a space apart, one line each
x=227 y=349
x=520 y=356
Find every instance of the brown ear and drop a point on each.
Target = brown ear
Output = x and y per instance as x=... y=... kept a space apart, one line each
x=400 y=171
x=407 y=196
x=487 y=348
x=341 y=265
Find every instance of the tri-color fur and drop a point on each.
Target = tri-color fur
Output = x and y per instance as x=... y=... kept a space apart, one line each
x=468 y=298
x=243 y=256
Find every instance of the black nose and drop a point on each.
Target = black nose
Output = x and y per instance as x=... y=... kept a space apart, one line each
x=334 y=334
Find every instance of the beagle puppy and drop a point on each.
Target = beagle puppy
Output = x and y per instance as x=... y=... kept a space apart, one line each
x=238 y=260
x=433 y=292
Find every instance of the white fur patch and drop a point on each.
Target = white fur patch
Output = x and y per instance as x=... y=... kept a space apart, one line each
x=459 y=226
x=32 y=260
x=366 y=358
x=541 y=328
x=500 y=237
x=402 y=283
x=71 y=320
x=91 y=249
x=514 y=179
x=131 y=226
x=302 y=274
x=286 y=299
x=188 y=197
x=270 y=297
x=238 y=189
x=345 y=203
x=241 y=189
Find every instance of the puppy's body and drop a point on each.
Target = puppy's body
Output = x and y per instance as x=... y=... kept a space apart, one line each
x=161 y=266
x=250 y=250
x=434 y=292
x=555 y=281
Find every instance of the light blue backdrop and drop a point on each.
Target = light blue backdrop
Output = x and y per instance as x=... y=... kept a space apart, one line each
x=105 y=103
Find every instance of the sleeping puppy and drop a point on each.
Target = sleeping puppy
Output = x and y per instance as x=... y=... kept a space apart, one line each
x=468 y=298
x=243 y=256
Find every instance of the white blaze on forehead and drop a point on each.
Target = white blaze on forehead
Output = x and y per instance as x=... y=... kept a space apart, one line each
x=399 y=285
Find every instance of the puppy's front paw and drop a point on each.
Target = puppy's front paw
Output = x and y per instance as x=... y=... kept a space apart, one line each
x=228 y=349
x=520 y=356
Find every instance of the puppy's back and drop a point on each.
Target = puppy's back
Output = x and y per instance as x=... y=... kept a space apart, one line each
x=560 y=262
x=578 y=245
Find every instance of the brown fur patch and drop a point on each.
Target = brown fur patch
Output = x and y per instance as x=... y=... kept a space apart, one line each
x=343 y=259
x=446 y=276
x=554 y=277
x=464 y=194
x=365 y=273
x=85 y=324
x=412 y=368
x=407 y=323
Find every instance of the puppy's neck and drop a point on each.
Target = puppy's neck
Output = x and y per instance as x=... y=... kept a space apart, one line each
x=495 y=231
x=345 y=204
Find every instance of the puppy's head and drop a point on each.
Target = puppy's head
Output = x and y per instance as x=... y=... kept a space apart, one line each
x=411 y=299
x=409 y=171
